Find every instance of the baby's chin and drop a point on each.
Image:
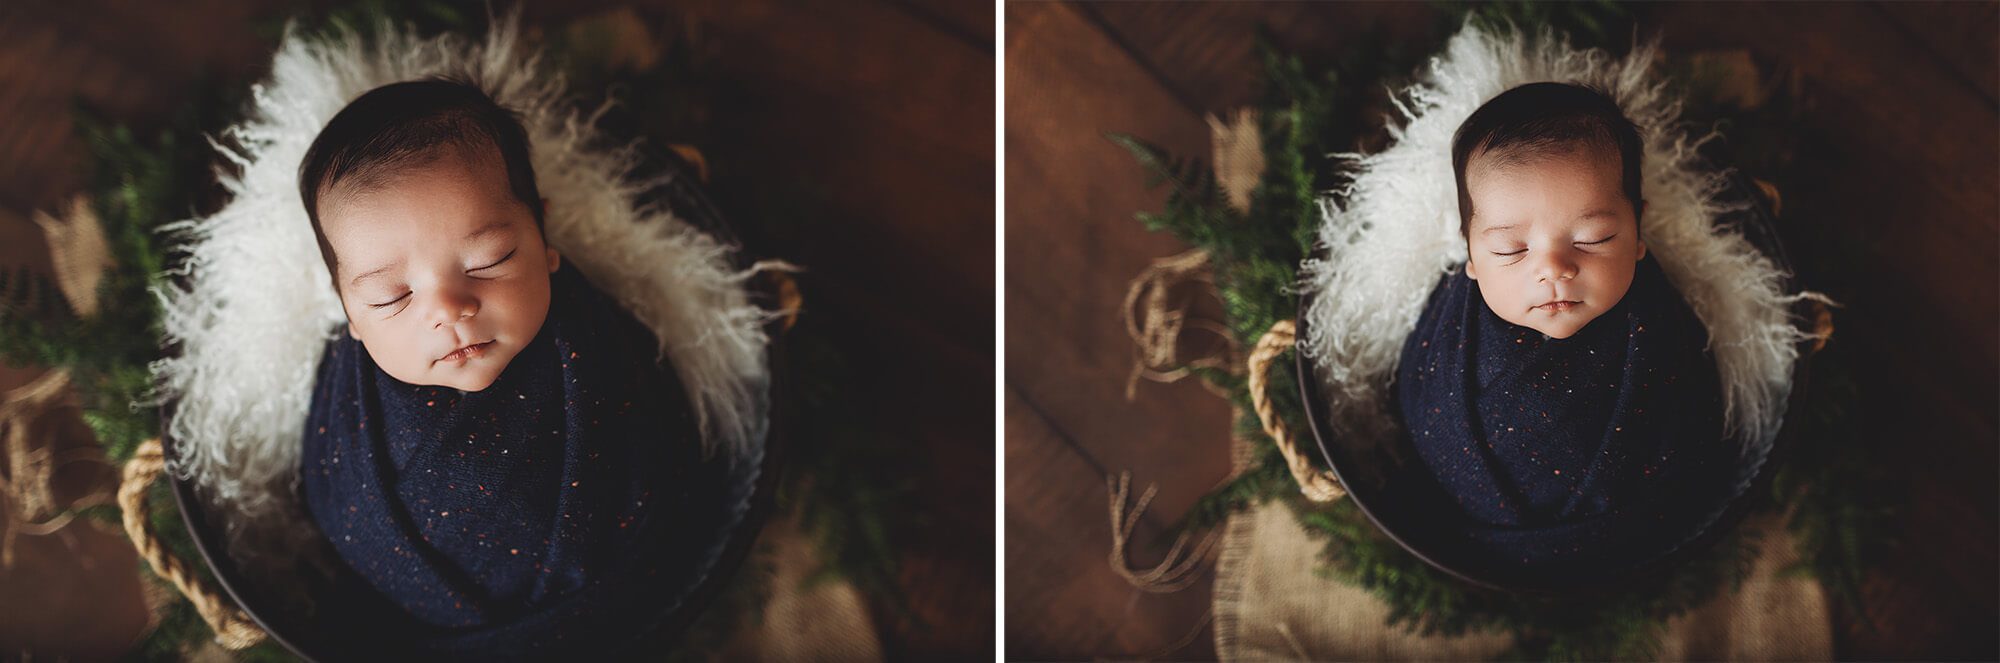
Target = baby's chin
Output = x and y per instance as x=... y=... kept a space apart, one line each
x=470 y=382
x=460 y=379
x=466 y=378
x=1559 y=324
x=1553 y=325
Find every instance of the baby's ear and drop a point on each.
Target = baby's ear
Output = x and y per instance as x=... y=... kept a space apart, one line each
x=1639 y=215
x=555 y=259
x=1469 y=273
x=350 y=332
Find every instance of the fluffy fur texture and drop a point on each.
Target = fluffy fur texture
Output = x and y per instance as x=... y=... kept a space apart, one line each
x=258 y=307
x=1396 y=231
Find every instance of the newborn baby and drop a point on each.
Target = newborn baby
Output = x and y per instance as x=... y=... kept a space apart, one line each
x=1557 y=386
x=490 y=446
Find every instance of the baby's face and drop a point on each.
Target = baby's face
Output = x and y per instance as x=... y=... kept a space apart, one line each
x=1553 y=242
x=438 y=259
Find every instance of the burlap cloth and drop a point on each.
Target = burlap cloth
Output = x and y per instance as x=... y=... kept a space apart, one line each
x=1270 y=604
x=825 y=620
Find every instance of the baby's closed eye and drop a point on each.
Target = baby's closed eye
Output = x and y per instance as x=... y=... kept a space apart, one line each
x=496 y=263
x=390 y=302
x=474 y=272
x=1518 y=249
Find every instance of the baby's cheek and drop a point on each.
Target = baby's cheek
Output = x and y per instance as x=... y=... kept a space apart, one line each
x=1497 y=301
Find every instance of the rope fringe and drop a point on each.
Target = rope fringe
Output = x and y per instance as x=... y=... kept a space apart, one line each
x=1155 y=324
x=1822 y=318
x=30 y=456
x=1179 y=570
x=789 y=300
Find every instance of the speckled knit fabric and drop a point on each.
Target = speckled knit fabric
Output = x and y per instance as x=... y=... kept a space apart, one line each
x=1568 y=456
x=546 y=510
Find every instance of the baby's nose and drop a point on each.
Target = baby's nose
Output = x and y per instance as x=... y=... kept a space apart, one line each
x=453 y=307
x=1555 y=268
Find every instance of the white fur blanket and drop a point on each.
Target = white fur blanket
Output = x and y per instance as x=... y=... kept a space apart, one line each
x=1395 y=231
x=257 y=306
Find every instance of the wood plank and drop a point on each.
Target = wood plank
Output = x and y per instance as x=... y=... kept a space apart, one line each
x=1959 y=33
x=892 y=133
x=57 y=597
x=1072 y=245
x=1914 y=201
x=875 y=122
x=1071 y=196
x=1064 y=602
x=132 y=65
x=1899 y=163
x=881 y=123
x=970 y=21
x=1206 y=53
x=1921 y=191
x=65 y=593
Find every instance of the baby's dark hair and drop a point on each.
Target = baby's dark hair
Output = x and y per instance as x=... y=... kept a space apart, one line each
x=1543 y=119
x=405 y=125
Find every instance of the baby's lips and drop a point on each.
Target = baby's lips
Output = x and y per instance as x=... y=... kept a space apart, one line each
x=1559 y=306
x=455 y=351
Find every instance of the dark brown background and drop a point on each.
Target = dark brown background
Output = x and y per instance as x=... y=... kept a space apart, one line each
x=1908 y=89
x=878 y=113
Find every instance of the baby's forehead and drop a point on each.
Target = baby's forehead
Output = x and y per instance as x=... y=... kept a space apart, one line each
x=479 y=159
x=480 y=172
x=1514 y=159
x=441 y=206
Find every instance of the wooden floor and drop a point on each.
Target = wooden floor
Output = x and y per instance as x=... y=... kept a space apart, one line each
x=877 y=114
x=1903 y=161
x=882 y=109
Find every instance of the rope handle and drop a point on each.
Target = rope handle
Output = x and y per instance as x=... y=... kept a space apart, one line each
x=233 y=629
x=1318 y=485
x=1822 y=322
x=789 y=299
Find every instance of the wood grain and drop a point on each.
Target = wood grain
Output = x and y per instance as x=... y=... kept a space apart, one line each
x=883 y=121
x=1894 y=208
x=1071 y=246
x=871 y=121
x=1896 y=196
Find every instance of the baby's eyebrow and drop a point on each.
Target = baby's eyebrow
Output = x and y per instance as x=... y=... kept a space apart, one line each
x=1490 y=229
x=372 y=273
x=488 y=229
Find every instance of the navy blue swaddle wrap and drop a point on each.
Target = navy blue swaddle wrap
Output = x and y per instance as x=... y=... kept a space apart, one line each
x=1568 y=457
x=558 y=504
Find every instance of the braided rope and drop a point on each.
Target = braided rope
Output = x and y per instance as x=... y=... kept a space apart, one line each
x=1822 y=320
x=789 y=300
x=232 y=628
x=1318 y=485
